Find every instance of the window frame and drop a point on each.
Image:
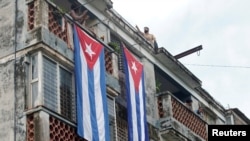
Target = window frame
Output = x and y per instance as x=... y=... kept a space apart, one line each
x=40 y=99
x=112 y=117
x=31 y=103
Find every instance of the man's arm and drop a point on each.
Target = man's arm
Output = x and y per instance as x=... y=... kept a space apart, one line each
x=153 y=37
x=76 y=17
x=139 y=30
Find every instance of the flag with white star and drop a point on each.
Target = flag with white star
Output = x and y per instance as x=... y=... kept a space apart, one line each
x=135 y=90
x=92 y=112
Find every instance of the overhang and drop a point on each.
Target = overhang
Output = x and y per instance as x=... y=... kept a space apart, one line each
x=177 y=68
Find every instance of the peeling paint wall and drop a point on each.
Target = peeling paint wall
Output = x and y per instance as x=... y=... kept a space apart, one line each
x=6 y=100
x=7 y=24
x=21 y=92
x=6 y=70
x=149 y=78
x=9 y=100
x=21 y=24
x=6 y=27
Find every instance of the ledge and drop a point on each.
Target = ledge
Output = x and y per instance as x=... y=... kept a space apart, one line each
x=177 y=67
x=171 y=129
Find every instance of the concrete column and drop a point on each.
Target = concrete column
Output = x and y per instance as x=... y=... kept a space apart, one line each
x=167 y=105
x=115 y=65
x=149 y=83
x=41 y=120
x=41 y=15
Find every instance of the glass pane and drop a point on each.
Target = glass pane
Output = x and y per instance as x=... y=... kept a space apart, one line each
x=34 y=66
x=50 y=84
x=34 y=87
x=111 y=111
x=111 y=107
x=112 y=128
x=67 y=97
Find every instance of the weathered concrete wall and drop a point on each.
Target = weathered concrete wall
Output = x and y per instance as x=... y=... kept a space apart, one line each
x=21 y=24
x=6 y=27
x=6 y=100
x=9 y=100
x=149 y=78
x=6 y=70
x=7 y=24
x=21 y=76
x=171 y=129
x=238 y=120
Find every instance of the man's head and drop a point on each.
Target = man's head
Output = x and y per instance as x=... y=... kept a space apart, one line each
x=146 y=29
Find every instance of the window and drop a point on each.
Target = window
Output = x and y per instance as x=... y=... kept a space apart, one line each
x=111 y=106
x=122 y=125
x=67 y=97
x=52 y=86
x=112 y=116
x=34 y=79
x=34 y=67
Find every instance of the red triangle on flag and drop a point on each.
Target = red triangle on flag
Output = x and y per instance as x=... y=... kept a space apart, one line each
x=90 y=47
x=135 y=67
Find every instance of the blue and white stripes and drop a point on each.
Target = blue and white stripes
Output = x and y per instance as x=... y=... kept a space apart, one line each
x=92 y=113
x=137 y=123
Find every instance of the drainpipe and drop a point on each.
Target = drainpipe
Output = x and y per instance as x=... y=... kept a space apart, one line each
x=15 y=46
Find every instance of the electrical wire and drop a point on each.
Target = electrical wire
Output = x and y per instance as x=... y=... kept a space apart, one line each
x=218 y=66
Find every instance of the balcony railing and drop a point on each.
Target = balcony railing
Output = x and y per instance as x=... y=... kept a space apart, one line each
x=175 y=115
x=44 y=126
x=31 y=15
x=57 y=24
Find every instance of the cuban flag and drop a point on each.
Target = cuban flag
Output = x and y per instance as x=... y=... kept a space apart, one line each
x=92 y=112
x=137 y=123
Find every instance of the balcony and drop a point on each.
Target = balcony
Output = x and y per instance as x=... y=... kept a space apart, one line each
x=177 y=122
x=53 y=29
x=45 y=125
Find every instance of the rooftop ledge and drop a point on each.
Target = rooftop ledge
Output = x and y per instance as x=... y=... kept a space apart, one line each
x=177 y=68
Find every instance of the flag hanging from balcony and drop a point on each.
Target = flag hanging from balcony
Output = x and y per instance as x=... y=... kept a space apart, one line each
x=137 y=123
x=92 y=112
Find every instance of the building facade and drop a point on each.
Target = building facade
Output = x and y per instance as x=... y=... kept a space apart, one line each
x=37 y=87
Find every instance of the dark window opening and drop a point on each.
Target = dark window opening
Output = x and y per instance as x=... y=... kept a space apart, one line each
x=165 y=83
x=67 y=97
x=115 y=40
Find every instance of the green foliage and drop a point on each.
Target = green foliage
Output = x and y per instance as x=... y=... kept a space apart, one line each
x=157 y=85
x=115 y=46
x=62 y=10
